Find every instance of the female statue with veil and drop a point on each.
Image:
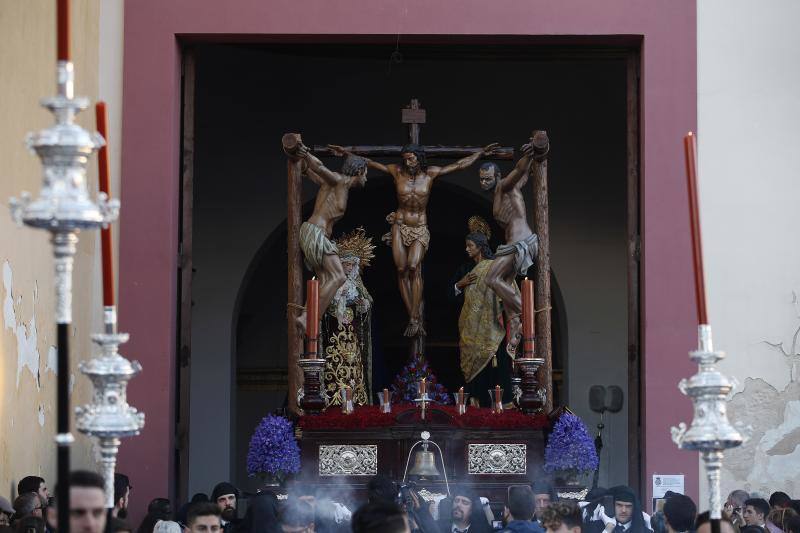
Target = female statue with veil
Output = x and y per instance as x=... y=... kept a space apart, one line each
x=346 y=336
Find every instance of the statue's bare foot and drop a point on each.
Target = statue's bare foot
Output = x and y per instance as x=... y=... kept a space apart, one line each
x=412 y=328
x=515 y=335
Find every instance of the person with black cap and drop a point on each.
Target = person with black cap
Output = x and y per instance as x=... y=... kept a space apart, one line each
x=628 y=516
x=226 y=496
x=543 y=496
x=680 y=513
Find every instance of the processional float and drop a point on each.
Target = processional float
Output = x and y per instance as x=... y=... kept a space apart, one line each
x=533 y=376
x=64 y=208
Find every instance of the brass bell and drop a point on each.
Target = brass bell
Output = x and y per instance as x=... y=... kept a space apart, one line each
x=424 y=464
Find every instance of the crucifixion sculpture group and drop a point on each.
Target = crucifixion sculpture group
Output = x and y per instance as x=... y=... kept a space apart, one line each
x=409 y=236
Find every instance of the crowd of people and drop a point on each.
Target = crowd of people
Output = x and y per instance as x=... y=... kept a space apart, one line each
x=389 y=508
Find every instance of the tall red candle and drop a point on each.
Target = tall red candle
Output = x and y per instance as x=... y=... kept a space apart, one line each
x=105 y=234
x=690 y=148
x=528 y=317
x=62 y=29
x=498 y=398
x=312 y=315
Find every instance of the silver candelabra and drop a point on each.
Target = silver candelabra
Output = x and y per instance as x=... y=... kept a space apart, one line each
x=109 y=417
x=63 y=208
x=710 y=433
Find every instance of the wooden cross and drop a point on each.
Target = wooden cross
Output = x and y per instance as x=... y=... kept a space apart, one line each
x=414 y=116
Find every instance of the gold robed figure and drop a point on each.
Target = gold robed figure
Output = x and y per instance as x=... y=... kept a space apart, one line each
x=480 y=326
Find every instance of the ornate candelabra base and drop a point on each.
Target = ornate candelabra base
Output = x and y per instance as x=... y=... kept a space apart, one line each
x=710 y=432
x=312 y=402
x=531 y=401
x=109 y=417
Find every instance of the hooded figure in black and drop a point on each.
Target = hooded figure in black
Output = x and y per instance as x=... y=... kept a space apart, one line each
x=594 y=499
x=262 y=514
x=226 y=496
x=543 y=495
x=628 y=516
x=467 y=518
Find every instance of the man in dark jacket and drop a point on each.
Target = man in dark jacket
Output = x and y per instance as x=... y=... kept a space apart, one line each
x=519 y=511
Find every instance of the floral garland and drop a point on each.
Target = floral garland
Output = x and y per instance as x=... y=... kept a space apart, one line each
x=369 y=416
x=404 y=388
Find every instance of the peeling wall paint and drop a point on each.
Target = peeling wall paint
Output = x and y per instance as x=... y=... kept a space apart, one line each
x=770 y=459
x=9 y=317
x=27 y=296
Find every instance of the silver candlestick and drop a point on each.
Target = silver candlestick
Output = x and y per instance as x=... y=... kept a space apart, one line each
x=64 y=208
x=109 y=417
x=710 y=433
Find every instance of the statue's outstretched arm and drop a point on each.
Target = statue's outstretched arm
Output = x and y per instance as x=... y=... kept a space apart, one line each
x=463 y=163
x=316 y=166
x=340 y=151
x=519 y=172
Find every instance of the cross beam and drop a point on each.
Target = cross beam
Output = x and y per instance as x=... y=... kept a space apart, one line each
x=433 y=151
x=414 y=116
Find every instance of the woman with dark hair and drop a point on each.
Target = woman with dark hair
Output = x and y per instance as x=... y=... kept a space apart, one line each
x=484 y=361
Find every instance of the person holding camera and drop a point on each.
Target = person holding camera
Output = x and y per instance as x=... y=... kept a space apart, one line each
x=419 y=515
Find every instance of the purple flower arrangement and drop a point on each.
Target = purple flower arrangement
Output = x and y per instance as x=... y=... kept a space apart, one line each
x=273 y=448
x=404 y=388
x=569 y=447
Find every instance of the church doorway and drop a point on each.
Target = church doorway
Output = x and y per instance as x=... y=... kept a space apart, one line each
x=246 y=96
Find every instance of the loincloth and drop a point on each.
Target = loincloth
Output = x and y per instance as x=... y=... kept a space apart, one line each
x=315 y=245
x=524 y=250
x=410 y=234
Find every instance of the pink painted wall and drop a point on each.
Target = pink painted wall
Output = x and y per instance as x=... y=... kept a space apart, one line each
x=151 y=152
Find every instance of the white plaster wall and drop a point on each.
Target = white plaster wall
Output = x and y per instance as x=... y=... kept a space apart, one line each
x=748 y=116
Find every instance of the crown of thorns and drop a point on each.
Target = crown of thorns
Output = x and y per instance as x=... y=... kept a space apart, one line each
x=477 y=224
x=357 y=244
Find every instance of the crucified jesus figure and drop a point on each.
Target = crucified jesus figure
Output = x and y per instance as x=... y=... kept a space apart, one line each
x=410 y=236
x=320 y=253
x=522 y=245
